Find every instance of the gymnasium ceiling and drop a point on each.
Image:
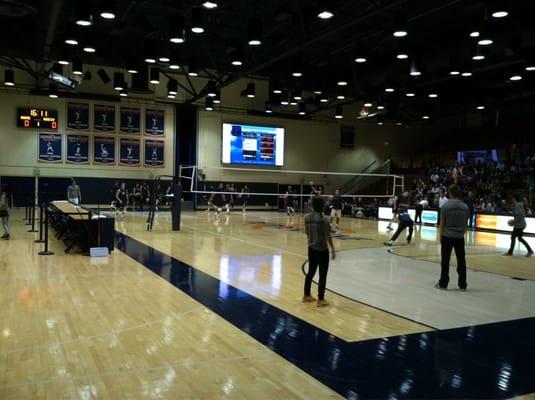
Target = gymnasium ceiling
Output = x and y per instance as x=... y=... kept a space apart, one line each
x=295 y=39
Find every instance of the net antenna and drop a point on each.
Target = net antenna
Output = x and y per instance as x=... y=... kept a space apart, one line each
x=267 y=186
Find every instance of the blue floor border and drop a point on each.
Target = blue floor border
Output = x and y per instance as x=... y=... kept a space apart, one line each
x=485 y=361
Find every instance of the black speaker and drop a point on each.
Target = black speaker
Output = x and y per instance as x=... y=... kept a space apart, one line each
x=347 y=137
x=104 y=76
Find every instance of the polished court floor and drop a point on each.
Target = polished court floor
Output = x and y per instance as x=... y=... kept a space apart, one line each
x=214 y=311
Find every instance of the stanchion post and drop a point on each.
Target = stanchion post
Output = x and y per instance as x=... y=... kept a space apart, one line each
x=32 y=217
x=46 y=252
x=28 y=213
x=40 y=240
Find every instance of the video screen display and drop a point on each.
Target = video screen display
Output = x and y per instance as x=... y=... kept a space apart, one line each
x=471 y=157
x=252 y=145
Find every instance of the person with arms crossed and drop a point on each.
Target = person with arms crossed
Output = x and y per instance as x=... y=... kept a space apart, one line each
x=519 y=224
x=318 y=231
x=74 y=195
x=453 y=226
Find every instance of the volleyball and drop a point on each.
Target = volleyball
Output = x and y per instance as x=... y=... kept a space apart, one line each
x=511 y=222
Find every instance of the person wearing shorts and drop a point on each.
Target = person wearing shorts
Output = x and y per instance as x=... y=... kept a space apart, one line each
x=393 y=202
x=121 y=199
x=337 y=204
x=74 y=195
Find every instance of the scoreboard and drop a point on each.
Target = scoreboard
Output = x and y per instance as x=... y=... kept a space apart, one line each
x=37 y=118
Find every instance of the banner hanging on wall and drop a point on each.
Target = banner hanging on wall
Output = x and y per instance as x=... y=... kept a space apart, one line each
x=78 y=116
x=50 y=148
x=104 y=120
x=78 y=149
x=103 y=150
x=154 y=153
x=154 y=122
x=130 y=120
x=129 y=150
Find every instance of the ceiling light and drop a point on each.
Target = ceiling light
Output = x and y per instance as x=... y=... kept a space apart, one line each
x=154 y=76
x=85 y=20
x=415 y=70
x=410 y=94
x=298 y=96
x=426 y=117
x=250 y=90
x=89 y=49
x=269 y=108
x=325 y=14
x=515 y=78
x=174 y=66
x=360 y=60
x=317 y=92
x=339 y=113
x=474 y=34
x=132 y=70
x=236 y=57
x=9 y=77
x=324 y=10
x=193 y=73
x=71 y=41
x=211 y=88
x=455 y=73
x=176 y=28
x=237 y=63
x=433 y=95
x=277 y=91
x=210 y=4
x=342 y=83
x=118 y=81
x=171 y=96
x=123 y=93
x=400 y=33
x=480 y=107
x=53 y=91
x=63 y=61
x=150 y=60
x=466 y=74
x=530 y=68
x=197 y=20
x=390 y=90
x=293 y=103
x=77 y=67
x=254 y=32
x=164 y=59
x=172 y=86
x=380 y=107
x=217 y=98
x=297 y=74
x=209 y=104
x=478 y=57
x=302 y=110
x=107 y=15
x=324 y=100
x=284 y=102
x=341 y=97
x=485 y=42
x=368 y=104
x=500 y=14
x=402 y=56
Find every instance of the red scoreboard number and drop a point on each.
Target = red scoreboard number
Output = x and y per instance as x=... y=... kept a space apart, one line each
x=37 y=118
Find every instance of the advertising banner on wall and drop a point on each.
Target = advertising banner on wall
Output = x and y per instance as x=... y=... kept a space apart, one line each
x=130 y=120
x=154 y=153
x=77 y=116
x=104 y=150
x=50 y=148
x=154 y=122
x=78 y=149
x=130 y=152
x=104 y=120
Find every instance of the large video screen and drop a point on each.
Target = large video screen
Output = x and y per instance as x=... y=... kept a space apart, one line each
x=253 y=145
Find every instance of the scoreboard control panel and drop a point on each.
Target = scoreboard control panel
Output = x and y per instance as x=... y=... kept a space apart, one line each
x=37 y=118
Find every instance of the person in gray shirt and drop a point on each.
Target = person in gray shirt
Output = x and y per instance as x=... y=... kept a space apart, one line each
x=454 y=216
x=519 y=224
x=74 y=195
x=318 y=231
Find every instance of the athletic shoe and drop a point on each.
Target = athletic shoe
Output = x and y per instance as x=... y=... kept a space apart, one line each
x=321 y=303
x=408 y=241
x=308 y=299
x=508 y=254
x=389 y=243
x=463 y=289
x=530 y=253
x=389 y=228
x=437 y=286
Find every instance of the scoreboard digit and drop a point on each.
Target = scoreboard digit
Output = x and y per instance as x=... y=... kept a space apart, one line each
x=37 y=118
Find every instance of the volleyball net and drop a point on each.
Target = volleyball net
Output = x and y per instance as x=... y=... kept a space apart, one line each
x=268 y=188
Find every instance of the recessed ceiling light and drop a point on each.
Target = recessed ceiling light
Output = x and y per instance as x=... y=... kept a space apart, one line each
x=390 y=90
x=380 y=107
x=530 y=68
x=324 y=100
x=485 y=42
x=284 y=102
x=500 y=14
x=425 y=117
x=416 y=73
x=107 y=14
x=171 y=96
x=237 y=63
x=474 y=34
x=478 y=57
x=269 y=110
x=466 y=74
x=455 y=73
x=338 y=116
x=150 y=60
x=480 y=107
x=380 y=123
x=433 y=95
x=63 y=62
x=368 y=104
x=341 y=83
x=410 y=94
x=89 y=49
x=515 y=78
x=132 y=70
x=340 y=97
x=84 y=22
x=177 y=40
x=297 y=74
x=293 y=103
x=277 y=91
x=400 y=33
x=72 y=42
x=316 y=92
x=197 y=29
x=164 y=59
x=193 y=73
x=360 y=60
x=325 y=14
x=210 y=4
x=298 y=97
x=402 y=56
x=174 y=66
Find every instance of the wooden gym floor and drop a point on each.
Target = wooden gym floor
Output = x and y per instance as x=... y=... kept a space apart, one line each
x=148 y=322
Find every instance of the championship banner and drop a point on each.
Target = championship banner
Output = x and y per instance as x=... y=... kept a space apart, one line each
x=103 y=150
x=104 y=120
x=78 y=116
x=78 y=149
x=154 y=153
x=50 y=148
x=129 y=152
x=154 y=122
x=130 y=120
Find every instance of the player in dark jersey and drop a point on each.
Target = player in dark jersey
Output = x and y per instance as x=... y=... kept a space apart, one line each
x=393 y=202
x=405 y=221
x=121 y=200
x=244 y=197
x=290 y=194
x=337 y=203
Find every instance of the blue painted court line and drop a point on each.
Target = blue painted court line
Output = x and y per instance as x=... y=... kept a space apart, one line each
x=485 y=361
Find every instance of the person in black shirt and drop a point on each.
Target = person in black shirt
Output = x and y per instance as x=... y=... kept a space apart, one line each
x=337 y=203
x=405 y=222
x=121 y=198
x=469 y=201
